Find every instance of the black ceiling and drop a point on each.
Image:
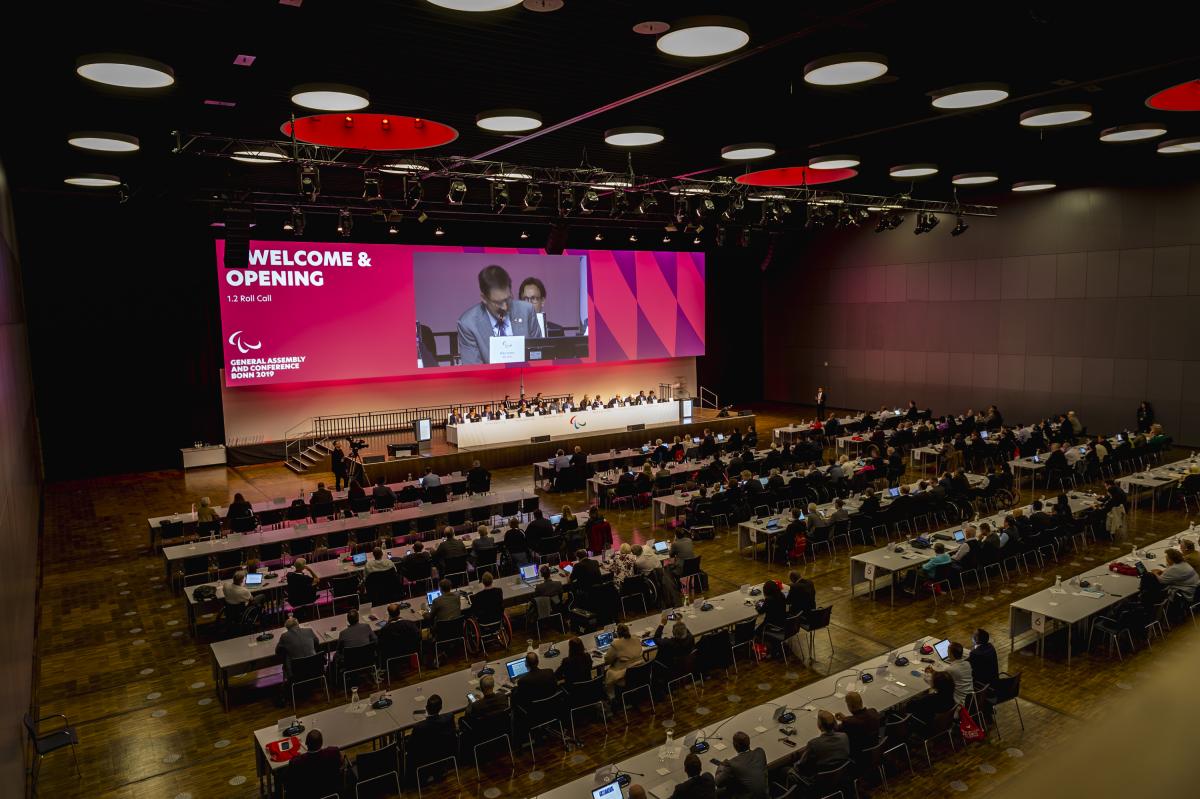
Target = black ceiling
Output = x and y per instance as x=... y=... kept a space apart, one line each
x=417 y=59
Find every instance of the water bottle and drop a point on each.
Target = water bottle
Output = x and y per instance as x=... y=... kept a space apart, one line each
x=1058 y=582
x=670 y=743
x=354 y=696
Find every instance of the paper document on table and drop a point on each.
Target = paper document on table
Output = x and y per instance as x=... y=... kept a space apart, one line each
x=664 y=790
x=893 y=690
x=506 y=349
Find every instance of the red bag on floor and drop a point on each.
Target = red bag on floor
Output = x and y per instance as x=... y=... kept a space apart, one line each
x=971 y=732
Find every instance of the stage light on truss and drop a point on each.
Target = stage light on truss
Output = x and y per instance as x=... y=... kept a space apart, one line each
x=295 y=223
x=438 y=231
x=310 y=181
x=372 y=191
x=533 y=195
x=345 y=223
x=457 y=192
x=587 y=203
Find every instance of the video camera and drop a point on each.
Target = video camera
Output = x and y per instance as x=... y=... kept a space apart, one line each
x=356 y=444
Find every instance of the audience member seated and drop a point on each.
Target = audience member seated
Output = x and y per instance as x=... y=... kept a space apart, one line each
x=938 y=699
x=985 y=666
x=827 y=751
x=743 y=776
x=516 y=544
x=479 y=479
x=802 y=594
x=398 y=635
x=861 y=726
x=577 y=665
x=624 y=652
x=450 y=548
x=378 y=562
x=317 y=771
x=487 y=604
x=698 y=785
x=446 y=607
x=1179 y=577
x=433 y=738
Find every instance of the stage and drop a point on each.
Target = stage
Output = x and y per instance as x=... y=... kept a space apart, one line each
x=444 y=457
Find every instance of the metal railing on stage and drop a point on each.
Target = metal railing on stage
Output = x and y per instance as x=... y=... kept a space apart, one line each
x=322 y=428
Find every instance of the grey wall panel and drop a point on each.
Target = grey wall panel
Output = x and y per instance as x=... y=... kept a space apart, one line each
x=1070 y=274
x=1170 y=275
x=1068 y=375
x=1086 y=298
x=1136 y=272
x=1014 y=278
x=1102 y=270
x=1129 y=378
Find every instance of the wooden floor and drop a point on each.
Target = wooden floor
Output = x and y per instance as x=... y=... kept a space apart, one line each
x=114 y=654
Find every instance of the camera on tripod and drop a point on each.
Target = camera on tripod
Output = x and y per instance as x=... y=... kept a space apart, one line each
x=356 y=444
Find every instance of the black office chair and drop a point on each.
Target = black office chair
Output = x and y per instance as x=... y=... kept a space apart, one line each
x=244 y=524
x=358 y=659
x=813 y=621
x=455 y=570
x=48 y=742
x=322 y=510
x=476 y=740
x=449 y=632
x=301 y=671
x=743 y=635
x=376 y=765
x=586 y=695
x=384 y=587
x=538 y=714
x=637 y=679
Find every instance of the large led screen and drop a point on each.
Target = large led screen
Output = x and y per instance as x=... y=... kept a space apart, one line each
x=305 y=312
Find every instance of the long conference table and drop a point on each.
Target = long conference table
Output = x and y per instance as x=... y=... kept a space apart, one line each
x=277 y=507
x=1066 y=605
x=1168 y=475
x=761 y=530
x=236 y=542
x=891 y=685
x=246 y=653
x=560 y=424
x=353 y=724
x=887 y=562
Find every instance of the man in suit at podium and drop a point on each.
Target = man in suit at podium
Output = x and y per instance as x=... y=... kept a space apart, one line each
x=533 y=291
x=820 y=402
x=497 y=314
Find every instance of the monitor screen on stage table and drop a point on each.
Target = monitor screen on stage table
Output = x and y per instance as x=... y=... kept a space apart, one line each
x=286 y=317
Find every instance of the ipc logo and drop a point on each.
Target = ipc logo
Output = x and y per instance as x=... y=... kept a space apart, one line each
x=576 y=424
x=243 y=345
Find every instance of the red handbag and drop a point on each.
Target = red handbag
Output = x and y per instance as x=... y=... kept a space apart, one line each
x=284 y=749
x=971 y=732
x=1123 y=568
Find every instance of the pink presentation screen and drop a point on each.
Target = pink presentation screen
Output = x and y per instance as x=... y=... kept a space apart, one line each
x=307 y=312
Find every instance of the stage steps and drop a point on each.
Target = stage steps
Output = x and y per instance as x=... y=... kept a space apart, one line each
x=312 y=455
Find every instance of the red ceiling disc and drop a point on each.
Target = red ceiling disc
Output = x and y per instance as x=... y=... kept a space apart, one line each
x=1183 y=97
x=795 y=176
x=371 y=131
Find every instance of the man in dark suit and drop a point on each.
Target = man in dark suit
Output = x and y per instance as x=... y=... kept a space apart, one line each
x=497 y=314
x=322 y=496
x=451 y=547
x=533 y=291
x=802 y=594
x=672 y=650
x=538 y=529
x=479 y=479
x=382 y=492
x=828 y=750
x=708 y=445
x=337 y=464
x=820 y=398
x=870 y=502
x=489 y=706
x=315 y=771
x=432 y=737
x=861 y=726
x=698 y=785
x=446 y=607
x=536 y=684
x=487 y=604
x=586 y=572
x=398 y=635
x=743 y=776
x=985 y=667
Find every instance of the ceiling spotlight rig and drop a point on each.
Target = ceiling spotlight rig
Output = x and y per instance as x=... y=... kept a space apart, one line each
x=449 y=187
